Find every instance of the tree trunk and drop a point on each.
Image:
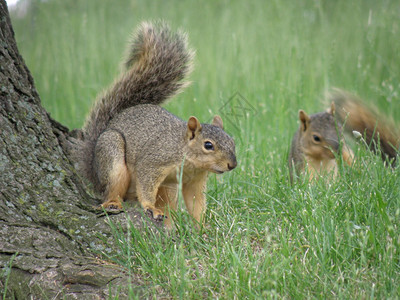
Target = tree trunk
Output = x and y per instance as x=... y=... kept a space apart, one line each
x=46 y=216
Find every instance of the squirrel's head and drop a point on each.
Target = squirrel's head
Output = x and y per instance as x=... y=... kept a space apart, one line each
x=209 y=146
x=319 y=134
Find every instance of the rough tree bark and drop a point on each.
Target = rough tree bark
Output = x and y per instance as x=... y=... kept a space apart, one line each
x=45 y=214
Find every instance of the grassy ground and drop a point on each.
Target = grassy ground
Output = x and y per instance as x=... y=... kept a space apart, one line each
x=264 y=238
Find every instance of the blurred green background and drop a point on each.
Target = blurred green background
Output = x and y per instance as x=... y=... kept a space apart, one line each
x=281 y=56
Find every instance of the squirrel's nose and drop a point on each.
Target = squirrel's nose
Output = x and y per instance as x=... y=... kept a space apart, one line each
x=232 y=165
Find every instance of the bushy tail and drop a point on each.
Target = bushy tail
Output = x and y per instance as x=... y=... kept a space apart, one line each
x=157 y=65
x=356 y=116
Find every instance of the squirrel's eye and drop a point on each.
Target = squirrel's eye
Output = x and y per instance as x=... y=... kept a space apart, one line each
x=208 y=145
x=316 y=138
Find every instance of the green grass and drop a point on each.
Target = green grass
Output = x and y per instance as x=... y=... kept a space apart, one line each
x=5 y=276
x=264 y=238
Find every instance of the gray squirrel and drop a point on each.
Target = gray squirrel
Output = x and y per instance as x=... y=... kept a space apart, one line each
x=133 y=148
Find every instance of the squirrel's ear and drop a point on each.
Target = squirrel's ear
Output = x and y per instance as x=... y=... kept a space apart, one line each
x=194 y=127
x=217 y=121
x=332 y=109
x=304 y=119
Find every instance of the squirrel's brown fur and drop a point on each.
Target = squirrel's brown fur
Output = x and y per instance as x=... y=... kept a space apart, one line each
x=357 y=116
x=132 y=148
x=316 y=142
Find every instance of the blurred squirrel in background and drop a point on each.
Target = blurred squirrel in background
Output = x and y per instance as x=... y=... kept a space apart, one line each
x=318 y=142
x=132 y=148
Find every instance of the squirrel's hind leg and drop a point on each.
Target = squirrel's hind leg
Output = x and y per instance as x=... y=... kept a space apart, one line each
x=112 y=170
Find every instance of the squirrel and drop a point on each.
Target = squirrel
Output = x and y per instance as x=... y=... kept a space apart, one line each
x=319 y=141
x=133 y=148
x=316 y=144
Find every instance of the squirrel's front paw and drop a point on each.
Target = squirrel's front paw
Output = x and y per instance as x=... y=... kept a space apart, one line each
x=155 y=214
